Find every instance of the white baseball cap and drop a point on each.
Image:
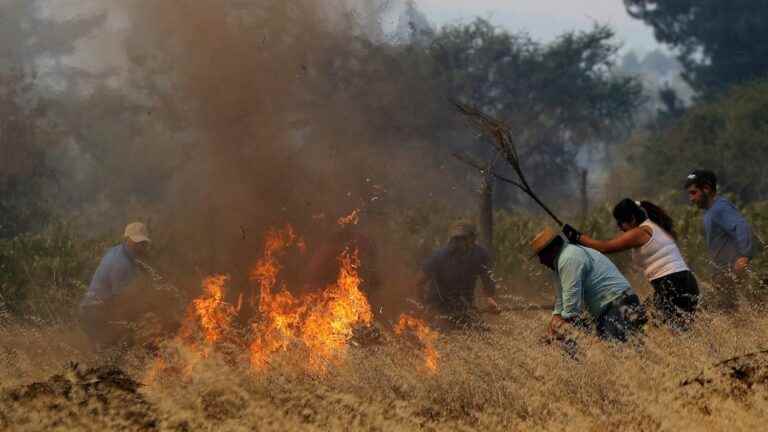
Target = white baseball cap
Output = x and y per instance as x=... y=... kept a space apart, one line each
x=137 y=232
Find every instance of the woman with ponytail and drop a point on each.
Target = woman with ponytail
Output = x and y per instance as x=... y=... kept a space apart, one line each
x=649 y=232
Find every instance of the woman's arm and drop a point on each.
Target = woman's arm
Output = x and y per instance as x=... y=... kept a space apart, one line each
x=631 y=239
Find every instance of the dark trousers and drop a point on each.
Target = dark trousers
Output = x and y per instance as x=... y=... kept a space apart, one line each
x=676 y=298
x=621 y=318
x=98 y=323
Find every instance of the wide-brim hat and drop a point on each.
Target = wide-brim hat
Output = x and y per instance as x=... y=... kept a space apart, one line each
x=543 y=239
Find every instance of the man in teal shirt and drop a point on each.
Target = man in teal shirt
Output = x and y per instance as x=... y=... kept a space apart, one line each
x=588 y=280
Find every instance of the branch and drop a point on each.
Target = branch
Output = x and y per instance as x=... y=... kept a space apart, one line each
x=465 y=158
x=502 y=137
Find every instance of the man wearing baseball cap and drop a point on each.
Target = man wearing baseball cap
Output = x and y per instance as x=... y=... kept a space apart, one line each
x=449 y=276
x=588 y=280
x=728 y=234
x=116 y=272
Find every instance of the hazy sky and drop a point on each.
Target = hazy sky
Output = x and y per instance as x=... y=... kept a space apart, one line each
x=545 y=19
x=542 y=19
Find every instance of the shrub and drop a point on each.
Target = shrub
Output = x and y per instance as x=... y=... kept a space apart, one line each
x=44 y=274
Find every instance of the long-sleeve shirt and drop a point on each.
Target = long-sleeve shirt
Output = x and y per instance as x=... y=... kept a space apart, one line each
x=453 y=277
x=115 y=273
x=728 y=234
x=586 y=279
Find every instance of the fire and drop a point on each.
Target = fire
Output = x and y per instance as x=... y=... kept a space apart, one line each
x=329 y=324
x=213 y=314
x=319 y=323
x=424 y=334
x=350 y=219
x=316 y=326
x=208 y=324
x=280 y=312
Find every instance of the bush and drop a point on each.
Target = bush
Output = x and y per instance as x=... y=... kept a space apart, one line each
x=43 y=275
x=727 y=136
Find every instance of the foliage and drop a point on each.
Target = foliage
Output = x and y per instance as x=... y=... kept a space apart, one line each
x=44 y=275
x=720 y=43
x=557 y=98
x=727 y=136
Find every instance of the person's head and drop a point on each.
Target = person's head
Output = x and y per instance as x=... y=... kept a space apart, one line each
x=547 y=246
x=629 y=214
x=136 y=239
x=701 y=186
x=463 y=237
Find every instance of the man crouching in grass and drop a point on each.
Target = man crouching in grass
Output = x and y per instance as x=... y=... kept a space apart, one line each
x=449 y=276
x=587 y=279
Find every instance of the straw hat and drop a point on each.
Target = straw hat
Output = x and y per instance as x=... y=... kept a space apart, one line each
x=137 y=232
x=543 y=239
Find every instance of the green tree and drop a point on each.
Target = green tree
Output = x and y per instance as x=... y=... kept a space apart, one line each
x=727 y=135
x=720 y=43
x=558 y=97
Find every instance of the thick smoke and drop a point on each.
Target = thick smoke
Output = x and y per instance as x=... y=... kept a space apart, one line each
x=260 y=113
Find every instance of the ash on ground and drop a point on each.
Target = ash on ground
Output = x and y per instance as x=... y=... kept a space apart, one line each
x=103 y=398
x=741 y=379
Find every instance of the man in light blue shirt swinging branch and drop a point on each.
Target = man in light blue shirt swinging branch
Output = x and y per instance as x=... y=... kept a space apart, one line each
x=587 y=280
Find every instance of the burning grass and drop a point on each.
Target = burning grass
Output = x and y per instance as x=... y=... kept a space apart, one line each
x=500 y=380
x=295 y=367
x=320 y=323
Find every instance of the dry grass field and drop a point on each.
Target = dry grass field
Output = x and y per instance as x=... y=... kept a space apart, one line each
x=504 y=379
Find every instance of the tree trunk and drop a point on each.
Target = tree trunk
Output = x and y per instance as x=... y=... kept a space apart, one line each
x=486 y=213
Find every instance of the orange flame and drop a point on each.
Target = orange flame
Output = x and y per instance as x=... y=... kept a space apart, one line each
x=330 y=322
x=426 y=337
x=350 y=219
x=319 y=323
x=279 y=312
x=214 y=315
x=208 y=316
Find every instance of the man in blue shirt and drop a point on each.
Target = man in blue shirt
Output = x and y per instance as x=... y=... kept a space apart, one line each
x=587 y=280
x=116 y=273
x=727 y=233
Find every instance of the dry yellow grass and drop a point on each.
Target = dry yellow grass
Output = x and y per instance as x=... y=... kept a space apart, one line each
x=502 y=380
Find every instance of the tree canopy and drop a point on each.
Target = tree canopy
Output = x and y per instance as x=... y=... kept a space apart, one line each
x=557 y=98
x=726 y=135
x=720 y=43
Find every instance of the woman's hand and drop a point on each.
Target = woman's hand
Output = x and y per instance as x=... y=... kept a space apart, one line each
x=572 y=234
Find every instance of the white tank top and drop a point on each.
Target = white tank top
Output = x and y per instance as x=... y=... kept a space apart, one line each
x=660 y=256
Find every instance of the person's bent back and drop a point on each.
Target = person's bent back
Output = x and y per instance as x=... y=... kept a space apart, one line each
x=588 y=281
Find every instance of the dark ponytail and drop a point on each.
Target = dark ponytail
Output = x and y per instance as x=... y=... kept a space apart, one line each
x=659 y=217
x=628 y=211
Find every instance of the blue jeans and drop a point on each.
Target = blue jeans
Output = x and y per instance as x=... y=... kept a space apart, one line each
x=621 y=318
